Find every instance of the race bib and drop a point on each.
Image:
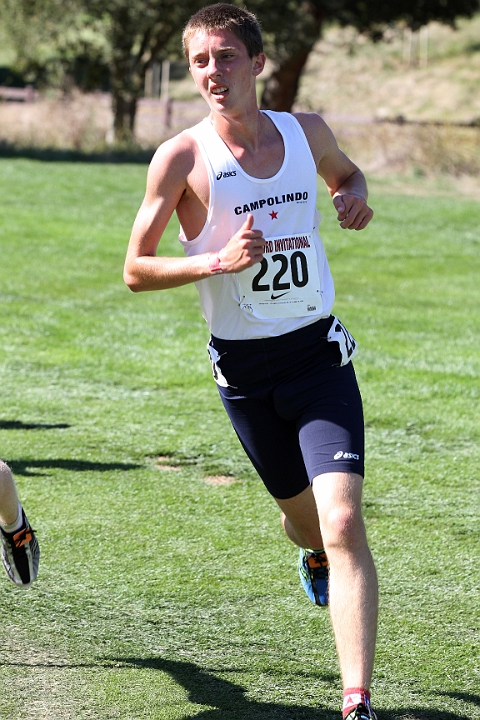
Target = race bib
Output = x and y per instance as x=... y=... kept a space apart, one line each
x=286 y=283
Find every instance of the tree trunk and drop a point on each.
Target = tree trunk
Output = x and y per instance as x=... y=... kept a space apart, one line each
x=282 y=86
x=124 y=108
x=127 y=76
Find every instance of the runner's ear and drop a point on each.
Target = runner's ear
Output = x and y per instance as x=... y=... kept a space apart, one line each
x=259 y=64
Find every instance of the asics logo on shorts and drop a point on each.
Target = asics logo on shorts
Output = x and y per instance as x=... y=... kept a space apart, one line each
x=346 y=456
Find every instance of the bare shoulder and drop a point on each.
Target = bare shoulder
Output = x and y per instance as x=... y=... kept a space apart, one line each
x=313 y=125
x=320 y=137
x=173 y=161
x=310 y=121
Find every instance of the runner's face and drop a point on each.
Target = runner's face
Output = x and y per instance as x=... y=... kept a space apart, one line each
x=223 y=71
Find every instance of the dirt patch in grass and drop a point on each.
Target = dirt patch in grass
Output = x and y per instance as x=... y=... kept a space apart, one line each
x=167 y=462
x=216 y=480
x=163 y=462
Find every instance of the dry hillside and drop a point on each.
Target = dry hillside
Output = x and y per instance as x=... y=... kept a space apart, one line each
x=434 y=75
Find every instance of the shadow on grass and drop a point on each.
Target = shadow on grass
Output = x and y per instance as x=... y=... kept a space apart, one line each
x=465 y=697
x=227 y=700
x=134 y=155
x=421 y=714
x=29 y=467
x=19 y=425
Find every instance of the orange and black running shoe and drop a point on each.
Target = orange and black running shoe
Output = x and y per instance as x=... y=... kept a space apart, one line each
x=20 y=554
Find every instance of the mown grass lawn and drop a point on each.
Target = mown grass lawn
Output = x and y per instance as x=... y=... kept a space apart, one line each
x=167 y=590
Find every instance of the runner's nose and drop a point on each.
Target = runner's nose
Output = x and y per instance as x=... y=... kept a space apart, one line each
x=213 y=69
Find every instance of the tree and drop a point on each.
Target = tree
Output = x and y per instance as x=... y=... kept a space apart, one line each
x=291 y=29
x=124 y=36
x=293 y=26
x=138 y=33
x=47 y=37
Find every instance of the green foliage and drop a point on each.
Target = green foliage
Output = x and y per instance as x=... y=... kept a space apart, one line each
x=52 y=39
x=95 y=42
x=162 y=596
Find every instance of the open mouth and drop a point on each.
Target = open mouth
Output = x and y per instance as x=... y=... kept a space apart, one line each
x=220 y=90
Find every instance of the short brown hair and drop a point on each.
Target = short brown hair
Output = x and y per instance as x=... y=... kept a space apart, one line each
x=223 y=16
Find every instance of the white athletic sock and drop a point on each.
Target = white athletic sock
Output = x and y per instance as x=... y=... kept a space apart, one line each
x=16 y=525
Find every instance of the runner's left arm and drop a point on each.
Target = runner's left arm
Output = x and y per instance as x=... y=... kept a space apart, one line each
x=345 y=181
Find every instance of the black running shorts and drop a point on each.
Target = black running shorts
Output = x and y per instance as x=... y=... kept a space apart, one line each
x=296 y=411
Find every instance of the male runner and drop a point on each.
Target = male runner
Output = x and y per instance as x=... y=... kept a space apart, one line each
x=20 y=551
x=243 y=185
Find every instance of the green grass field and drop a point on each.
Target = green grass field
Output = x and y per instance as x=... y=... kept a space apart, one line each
x=167 y=590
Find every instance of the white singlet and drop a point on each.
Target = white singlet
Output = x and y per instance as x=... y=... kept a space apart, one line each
x=292 y=286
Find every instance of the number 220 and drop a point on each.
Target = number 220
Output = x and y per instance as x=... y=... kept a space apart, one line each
x=298 y=270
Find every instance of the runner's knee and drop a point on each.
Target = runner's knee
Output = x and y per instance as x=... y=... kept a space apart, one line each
x=342 y=527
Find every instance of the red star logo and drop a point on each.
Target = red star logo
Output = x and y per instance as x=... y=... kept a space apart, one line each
x=273 y=215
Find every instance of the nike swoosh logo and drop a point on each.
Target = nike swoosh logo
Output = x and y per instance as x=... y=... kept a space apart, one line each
x=275 y=297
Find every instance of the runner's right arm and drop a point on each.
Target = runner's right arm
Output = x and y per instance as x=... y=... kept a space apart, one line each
x=167 y=185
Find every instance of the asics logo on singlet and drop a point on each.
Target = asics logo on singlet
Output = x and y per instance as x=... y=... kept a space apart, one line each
x=346 y=456
x=221 y=175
